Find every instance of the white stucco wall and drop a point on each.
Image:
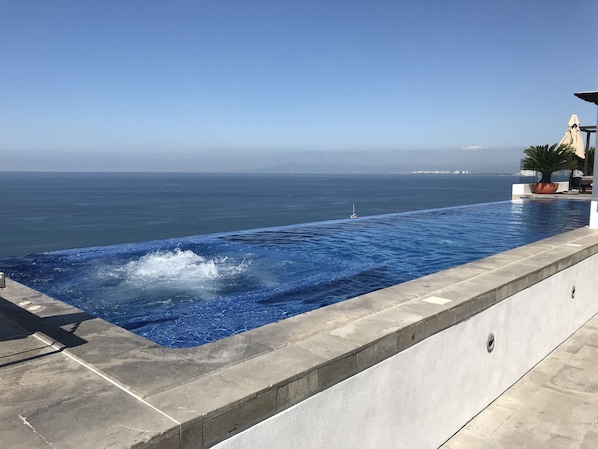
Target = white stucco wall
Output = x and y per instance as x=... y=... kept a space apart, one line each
x=521 y=189
x=418 y=398
x=563 y=186
x=518 y=190
x=594 y=214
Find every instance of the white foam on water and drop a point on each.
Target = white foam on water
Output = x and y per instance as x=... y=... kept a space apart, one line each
x=176 y=268
x=172 y=264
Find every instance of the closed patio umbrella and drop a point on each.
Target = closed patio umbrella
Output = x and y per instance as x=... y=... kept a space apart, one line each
x=573 y=137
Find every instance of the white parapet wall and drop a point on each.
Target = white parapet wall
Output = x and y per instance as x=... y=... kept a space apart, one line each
x=563 y=186
x=424 y=394
x=594 y=214
x=521 y=190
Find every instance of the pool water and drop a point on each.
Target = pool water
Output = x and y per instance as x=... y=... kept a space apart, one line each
x=190 y=291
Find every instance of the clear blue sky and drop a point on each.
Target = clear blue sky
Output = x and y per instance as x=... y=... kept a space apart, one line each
x=143 y=81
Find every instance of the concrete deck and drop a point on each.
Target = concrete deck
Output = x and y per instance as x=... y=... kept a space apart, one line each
x=555 y=405
x=51 y=400
x=69 y=380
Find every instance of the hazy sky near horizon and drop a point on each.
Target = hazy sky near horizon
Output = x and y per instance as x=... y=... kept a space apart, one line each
x=210 y=85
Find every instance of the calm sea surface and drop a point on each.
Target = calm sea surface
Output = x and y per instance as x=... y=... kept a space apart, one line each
x=53 y=211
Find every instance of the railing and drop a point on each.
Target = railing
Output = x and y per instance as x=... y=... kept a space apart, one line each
x=530 y=176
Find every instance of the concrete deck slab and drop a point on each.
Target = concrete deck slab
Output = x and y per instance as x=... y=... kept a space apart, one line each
x=555 y=405
x=50 y=400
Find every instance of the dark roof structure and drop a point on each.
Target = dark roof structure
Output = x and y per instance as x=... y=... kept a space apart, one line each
x=592 y=97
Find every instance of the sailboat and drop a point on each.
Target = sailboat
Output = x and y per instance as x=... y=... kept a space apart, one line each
x=353 y=215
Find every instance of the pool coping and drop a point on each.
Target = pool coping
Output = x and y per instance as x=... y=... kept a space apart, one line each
x=211 y=392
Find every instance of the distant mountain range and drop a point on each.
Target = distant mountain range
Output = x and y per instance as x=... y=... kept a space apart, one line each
x=474 y=160
x=481 y=161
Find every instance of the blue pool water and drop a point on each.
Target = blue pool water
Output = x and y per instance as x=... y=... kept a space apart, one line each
x=189 y=291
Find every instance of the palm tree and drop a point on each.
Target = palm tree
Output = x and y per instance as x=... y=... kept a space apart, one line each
x=580 y=163
x=591 y=153
x=547 y=160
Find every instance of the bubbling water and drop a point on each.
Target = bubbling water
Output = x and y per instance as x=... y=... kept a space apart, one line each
x=178 y=268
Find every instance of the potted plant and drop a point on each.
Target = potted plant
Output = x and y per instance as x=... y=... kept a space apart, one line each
x=546 y=160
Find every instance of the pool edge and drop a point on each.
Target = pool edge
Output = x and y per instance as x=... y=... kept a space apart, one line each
x=236 y=382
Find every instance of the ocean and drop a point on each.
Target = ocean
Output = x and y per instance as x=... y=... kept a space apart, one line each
x=56 y=211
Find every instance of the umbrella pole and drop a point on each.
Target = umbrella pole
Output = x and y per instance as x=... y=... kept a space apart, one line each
x=587 y=152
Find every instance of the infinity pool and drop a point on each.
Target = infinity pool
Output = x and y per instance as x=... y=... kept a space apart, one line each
x=190 y=291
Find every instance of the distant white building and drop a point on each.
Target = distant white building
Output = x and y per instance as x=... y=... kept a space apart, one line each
x=440 y=172
x=526 y=173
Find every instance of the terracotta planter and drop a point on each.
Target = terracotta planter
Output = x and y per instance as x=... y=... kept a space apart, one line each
x=541 y=188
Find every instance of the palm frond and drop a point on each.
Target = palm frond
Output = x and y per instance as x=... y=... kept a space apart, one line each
x=547 y=160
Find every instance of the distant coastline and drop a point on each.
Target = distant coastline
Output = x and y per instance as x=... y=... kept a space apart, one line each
x=461 y=173
x=441 y=172
x=291 y=161
x=268 y=172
